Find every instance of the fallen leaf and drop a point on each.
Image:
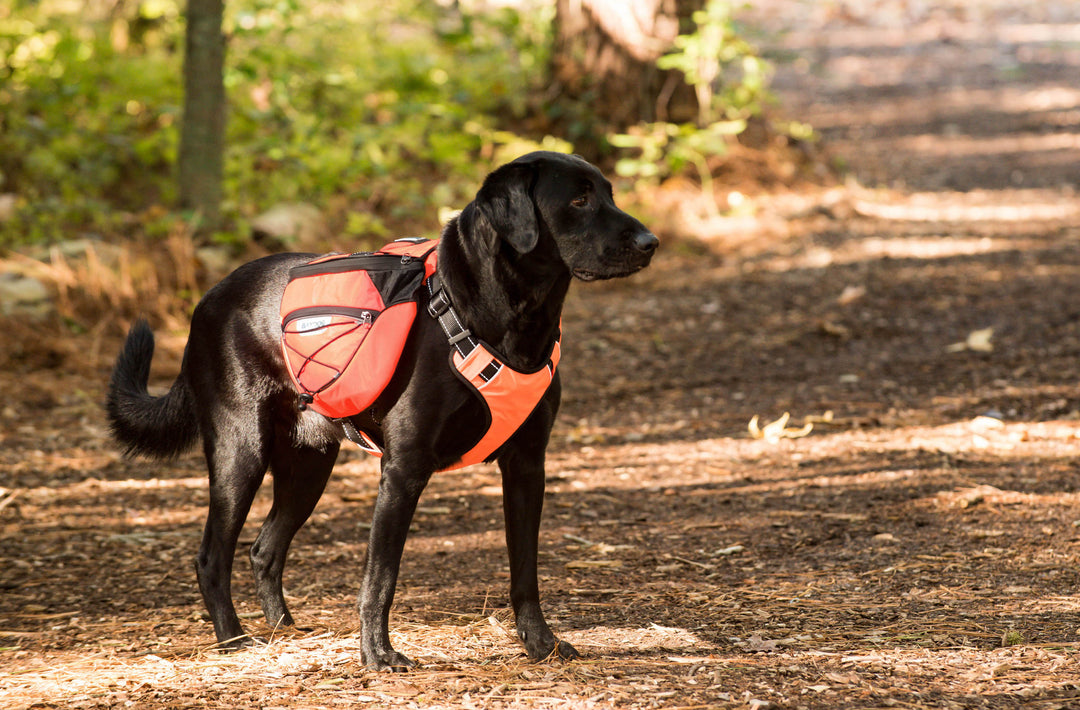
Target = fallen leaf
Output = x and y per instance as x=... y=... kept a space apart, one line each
x=1001 y=669
x=850 y=294
x=730 y=550
x=756 y=643
x=773 y=432
x=977 y=341
x=984 y=422
x=837 y=330
x=826 y=418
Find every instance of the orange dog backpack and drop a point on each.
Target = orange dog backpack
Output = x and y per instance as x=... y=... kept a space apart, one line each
x=344 y=321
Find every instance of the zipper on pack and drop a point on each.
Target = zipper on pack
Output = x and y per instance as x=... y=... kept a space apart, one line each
x=362 y=316
x=355 y=262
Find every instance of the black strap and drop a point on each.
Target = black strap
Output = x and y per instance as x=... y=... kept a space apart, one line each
x=354 y=435
x=352 y=432
x=441 y=309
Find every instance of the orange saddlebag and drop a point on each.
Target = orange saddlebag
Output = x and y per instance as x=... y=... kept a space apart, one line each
x=345 y=319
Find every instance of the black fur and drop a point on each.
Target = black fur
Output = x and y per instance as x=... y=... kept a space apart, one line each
x=506 y=262
x=161 y=426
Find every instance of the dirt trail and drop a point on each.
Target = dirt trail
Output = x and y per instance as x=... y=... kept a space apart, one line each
x=917 y=549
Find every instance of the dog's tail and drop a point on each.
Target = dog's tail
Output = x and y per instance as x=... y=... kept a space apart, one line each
x=159 y=427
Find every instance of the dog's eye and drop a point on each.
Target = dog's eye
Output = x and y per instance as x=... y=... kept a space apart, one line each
x=582 y=201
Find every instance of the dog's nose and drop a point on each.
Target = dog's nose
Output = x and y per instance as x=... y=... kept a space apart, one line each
x=646 y=242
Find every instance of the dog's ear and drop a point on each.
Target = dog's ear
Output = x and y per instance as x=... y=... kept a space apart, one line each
x=505 y=205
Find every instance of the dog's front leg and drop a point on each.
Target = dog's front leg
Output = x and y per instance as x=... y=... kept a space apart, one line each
x=399 y=490
x=523 y=502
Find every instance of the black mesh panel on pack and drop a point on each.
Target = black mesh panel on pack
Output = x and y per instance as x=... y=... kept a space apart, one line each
x=397 y=285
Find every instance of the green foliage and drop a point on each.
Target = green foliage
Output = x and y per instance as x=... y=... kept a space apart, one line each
x=82 y=128
x=731 y=85
x=382 y=113
x=388 y=109
x=730 y=80
x=668 y=148
x=392 y=105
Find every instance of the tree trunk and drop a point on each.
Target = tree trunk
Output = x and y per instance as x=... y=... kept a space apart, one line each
x=606 y=52
x=202 y=131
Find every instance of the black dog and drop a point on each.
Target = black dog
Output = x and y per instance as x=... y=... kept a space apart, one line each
x=506 y=263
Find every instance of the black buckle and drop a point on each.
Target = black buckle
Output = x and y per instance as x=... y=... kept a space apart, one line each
x=439 y=304
x=455 y=339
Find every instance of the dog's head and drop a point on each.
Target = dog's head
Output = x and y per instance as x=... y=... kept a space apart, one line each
x=562 y=206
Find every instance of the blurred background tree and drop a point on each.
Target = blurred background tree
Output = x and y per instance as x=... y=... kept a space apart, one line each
x=202 y=127
x=606 y=51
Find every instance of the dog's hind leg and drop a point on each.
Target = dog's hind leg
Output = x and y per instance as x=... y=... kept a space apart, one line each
x=236 y=468
x=300 y=476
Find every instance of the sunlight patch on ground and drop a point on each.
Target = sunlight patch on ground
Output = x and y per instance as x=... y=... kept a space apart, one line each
x=952 y=211
x=900 y=35
x=922 y=248
x=281 y=664
x=1059 y=103
x=599 y=639
x=719 y=460
x=953 y=146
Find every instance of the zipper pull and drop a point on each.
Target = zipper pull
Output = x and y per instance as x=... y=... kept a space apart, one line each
x=406 y=259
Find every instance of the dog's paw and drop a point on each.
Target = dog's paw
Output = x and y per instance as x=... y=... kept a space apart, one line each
x=566 y=652
x=390 y=661
x=555 y=649
x=239 y=643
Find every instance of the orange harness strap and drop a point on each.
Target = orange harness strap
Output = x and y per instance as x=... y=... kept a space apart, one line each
x=510 y=396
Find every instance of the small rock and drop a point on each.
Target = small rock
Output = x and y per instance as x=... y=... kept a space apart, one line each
x=290 y=226
x=78 y=251
x=24 y=296
x=217 y=260
x=8 y=202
